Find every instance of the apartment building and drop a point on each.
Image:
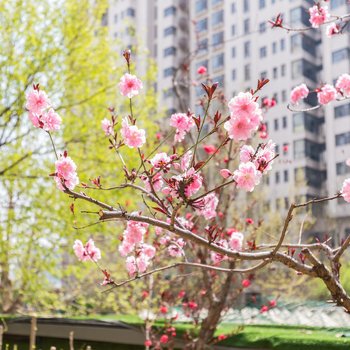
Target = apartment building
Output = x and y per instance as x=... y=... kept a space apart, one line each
x=162 y=29
x=238 y=46
x=233 y=39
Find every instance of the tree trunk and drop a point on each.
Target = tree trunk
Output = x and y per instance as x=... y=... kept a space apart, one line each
x=210 y=323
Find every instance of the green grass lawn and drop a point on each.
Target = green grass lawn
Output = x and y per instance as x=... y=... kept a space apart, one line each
x=259 y=336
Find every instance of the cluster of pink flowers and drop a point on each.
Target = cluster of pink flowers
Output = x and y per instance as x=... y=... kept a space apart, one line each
x=183 y=123
x=133 y=136
x=161 y=161
x=253 y=164
x=87 y=252
x=234 y=242
x=298 y=93
x=133 y=237
x=343 y=85
x=318 y=15
x=207 y=206
x=66 y=175
x=130 y=85
x=345 y=191
x=41 y=114
x=107 y=126
x=332 y=29
x=327 y=93
x=245 y=118
x=184 y=185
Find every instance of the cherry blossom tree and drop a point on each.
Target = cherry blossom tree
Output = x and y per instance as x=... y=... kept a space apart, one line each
x=184 y=215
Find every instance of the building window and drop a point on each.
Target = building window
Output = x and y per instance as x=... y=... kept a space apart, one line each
x=245 y=5
x=170 y=11
x=170 y=31
x=201 y=5
x=302 y=68
x=247 y=72
x=233 y=7
x=284 y=122
x=285 y=175
x=299 y=16
x=275 y=73
x=233 y=52
x=336 y=3
x=342 y=111
x=274 y=47
x=169 y=72
x=309 y=149
x=284 y=95
x=246 y=26
x=342 y=168
x=282 y=44
x=219 y=80
x=115 y=18
x=283 y=70
x=342 y=139
x=233 y=30
x=305 y=121
x=130 y=12
x=262 y=4
x=262 y=27
x=247 y=49
x=277 y=177
x=202 y=46
x=202 y=63
x=263 y=52
x=263 y=75
x=275 y=123
x=169 y=92
x=218 y=61
x=216 y=2
x=217 y=18
x=218 y=38
x=340 y=55
x=234 y=74
x=202 y=25
x=170 y=51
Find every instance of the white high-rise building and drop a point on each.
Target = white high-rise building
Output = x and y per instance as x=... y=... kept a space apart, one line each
x=238 y=46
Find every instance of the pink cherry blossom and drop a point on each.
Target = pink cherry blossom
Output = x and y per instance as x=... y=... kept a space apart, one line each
x=130 y=85
x=186 y=160
x=246 y=153
x=157 y=182
x=246 y=283
x=236 y=241
x=343 y=84
x=131 y=265
x=183 y=124
x=142 y=263
x=148 y=250
x=327 y=94
x=318 y=15
x=332 y=29
x=265 y=156
x=247 y=176
x=193 y=182
x=34 y=118
x=207 y=206
x=225 y=173
x=66 y=173
x=201 y=70
x=87 y=252
x=243 y=105
x=132 y=135
x=107 y=126
x=209 y=149
x=37 y=101
x=298 y=93
x=135 y=232
x=51 y=121
x=126 y=248
x=345 y=191
x=239 y=128
x=217 y=258
x=161 y=161
x=164 y=339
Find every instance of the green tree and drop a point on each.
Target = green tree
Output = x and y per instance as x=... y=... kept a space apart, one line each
x=64 y=47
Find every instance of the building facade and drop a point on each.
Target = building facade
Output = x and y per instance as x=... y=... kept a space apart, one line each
x=234 y=40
